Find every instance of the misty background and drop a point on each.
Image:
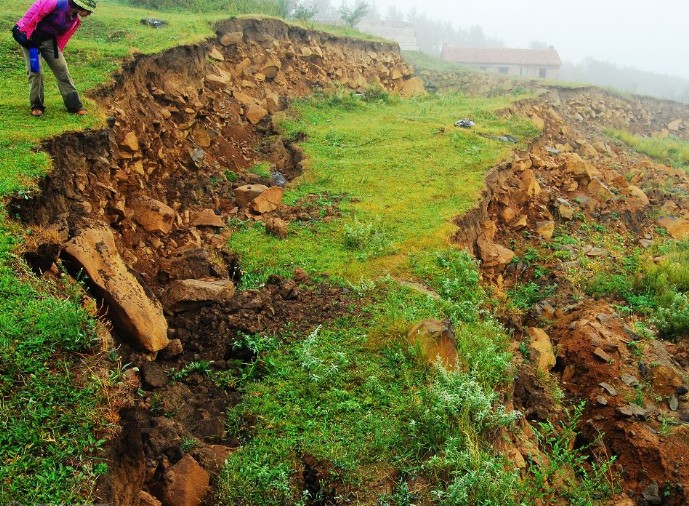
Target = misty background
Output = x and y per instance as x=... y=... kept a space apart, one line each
x=635 y=46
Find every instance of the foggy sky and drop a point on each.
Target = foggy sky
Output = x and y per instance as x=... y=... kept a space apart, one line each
x=649 y=35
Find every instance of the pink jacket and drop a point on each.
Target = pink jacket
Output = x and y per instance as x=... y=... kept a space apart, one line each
x=37 y=12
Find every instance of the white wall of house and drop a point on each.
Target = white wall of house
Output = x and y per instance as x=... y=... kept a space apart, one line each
x=544 y=72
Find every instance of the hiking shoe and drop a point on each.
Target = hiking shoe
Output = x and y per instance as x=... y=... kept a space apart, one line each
x=37 y=112
x=81 y=112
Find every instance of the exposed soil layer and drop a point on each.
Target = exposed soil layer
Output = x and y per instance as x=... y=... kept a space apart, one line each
x=143 y=207
x=572 y=180
x=178 y=161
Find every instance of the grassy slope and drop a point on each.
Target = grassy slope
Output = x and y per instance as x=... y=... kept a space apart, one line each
x=404 y=171
x=668 y=150
x=354 y=397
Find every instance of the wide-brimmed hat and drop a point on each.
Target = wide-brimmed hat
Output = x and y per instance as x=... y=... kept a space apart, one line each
x=87 y=5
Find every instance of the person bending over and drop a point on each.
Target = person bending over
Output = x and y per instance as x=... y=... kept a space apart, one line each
x=45 y=30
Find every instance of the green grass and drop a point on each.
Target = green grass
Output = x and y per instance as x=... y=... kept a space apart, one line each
x=402 y=171
x=422 y=61
x=355 y=400
x=668 y=150
x=49 y=415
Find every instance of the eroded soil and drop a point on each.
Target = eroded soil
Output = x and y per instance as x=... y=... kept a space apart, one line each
x=171 y=169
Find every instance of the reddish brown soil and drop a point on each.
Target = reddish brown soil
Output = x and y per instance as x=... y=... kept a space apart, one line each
x=196 y=140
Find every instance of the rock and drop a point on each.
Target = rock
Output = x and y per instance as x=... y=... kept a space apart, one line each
x=218 y=81
x=436 y=339
x=272 y=102
x=629 y=380
x=678 y=228
x=542 y=349
x=152 y=214
x=599 y=190
x=206 y=218
x=254 y=113
x=267 y=201
x=147 y=499
x=579 y=169
x=138 y=318
x=193 y=263
x=306 y=52
x=494 y=255
x=153 y=375
x=545 y=229
x=172 y=350
x=592 y=251
x=271 y=70
x=638 y=194
x=130 y=142
x=652 y=494
x=216 y=55
x=673 y=403
x=520 y=222
x=674 y=125
x=602 y=400
x=565 y=209
x=529 y=187
x=245 y=194
x=413 y=87
x=632 y=410
x=201 y=137
x=608 y=388
x=197 y=155
x=244 y=99
x=185 y=294
x=665 y=380
x=276 y=227
x=599 y=353
x=186 y=483
x=231 y=38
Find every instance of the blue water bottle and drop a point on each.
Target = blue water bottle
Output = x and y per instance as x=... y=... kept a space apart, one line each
x=34 y=62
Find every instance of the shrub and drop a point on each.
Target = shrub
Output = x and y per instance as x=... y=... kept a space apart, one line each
x=673 y=321
x=352 y=15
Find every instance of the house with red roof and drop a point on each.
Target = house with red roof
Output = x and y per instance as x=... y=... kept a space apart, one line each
x=543 y=63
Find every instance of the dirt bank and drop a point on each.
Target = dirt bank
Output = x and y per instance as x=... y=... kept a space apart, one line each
x=143 y=206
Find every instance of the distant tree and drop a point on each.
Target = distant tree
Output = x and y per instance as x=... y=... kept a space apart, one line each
x=538 y=44
x=394 y=15
x=304 y=11
x=285 y=8
x=627 y=78
x=324 y=10
x=351 y=16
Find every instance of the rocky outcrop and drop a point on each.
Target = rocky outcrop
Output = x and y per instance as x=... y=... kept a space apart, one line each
x=137 y=316
x=436 y=341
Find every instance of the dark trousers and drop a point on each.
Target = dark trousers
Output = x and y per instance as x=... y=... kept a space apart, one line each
x=58 y=65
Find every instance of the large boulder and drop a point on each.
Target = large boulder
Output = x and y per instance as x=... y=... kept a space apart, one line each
x=152 y=214
x=678 y=228
x=245 y=194
x=493 y=254
x=186 y=483
x=137 y=317
x=267 y=201
x=186 y=294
